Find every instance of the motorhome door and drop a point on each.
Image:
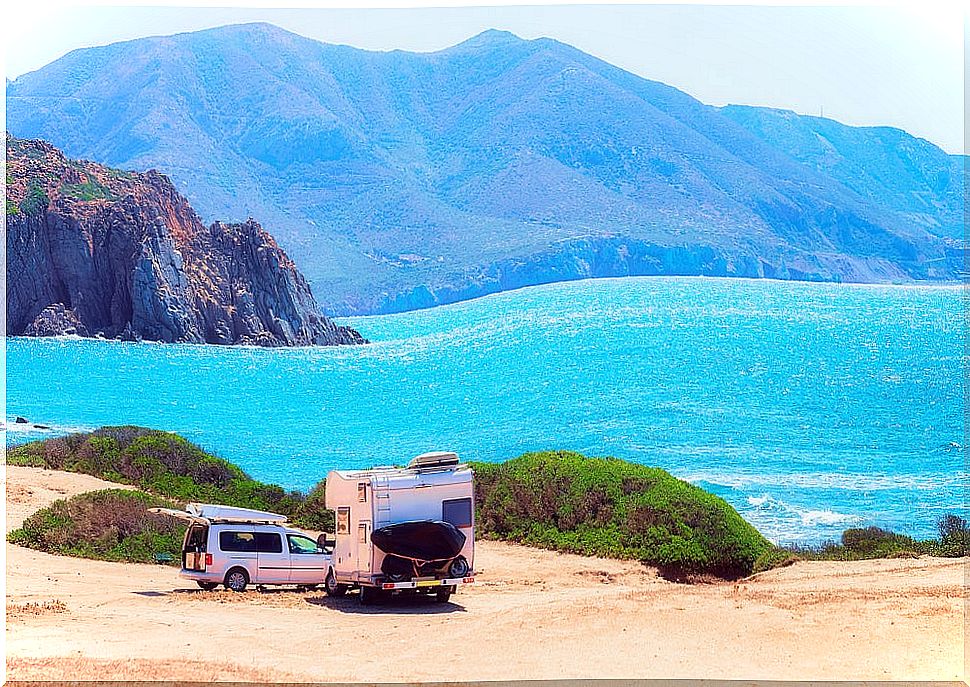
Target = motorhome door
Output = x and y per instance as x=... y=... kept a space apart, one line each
x=364 y=557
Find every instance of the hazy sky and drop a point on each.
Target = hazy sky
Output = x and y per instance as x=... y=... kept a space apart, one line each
x=900 y=66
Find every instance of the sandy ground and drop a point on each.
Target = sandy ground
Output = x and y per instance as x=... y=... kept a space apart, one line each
x=531 y=615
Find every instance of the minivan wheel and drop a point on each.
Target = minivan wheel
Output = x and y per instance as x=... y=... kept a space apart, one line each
x=443 y=594
x=236 y=580
x=207 y=586
x=331 y=587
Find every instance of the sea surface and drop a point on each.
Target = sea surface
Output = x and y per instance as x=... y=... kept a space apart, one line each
x=809 y=407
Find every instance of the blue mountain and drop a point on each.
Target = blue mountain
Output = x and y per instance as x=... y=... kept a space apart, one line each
x=399 y=180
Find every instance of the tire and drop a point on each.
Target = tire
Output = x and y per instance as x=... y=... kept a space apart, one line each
x=370 y=596
x=444 y=594
x=207 y=586
x=331 y=587
x=459 y=567
x=236 y=580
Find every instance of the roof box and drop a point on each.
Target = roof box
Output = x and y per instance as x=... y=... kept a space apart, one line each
x=438 y=459
x=217 y=513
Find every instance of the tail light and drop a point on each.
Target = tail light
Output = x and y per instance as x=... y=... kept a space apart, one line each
x=469 y=579
x=387 y=585
x=208 y=559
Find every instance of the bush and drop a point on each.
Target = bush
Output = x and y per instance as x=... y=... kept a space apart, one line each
x=161 y=463
x=604 y=506
x=35 y=201
x=954 y=536
x=112 y=525
x=774 y=557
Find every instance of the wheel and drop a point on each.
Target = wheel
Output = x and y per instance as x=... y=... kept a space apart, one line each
x=370 y=595
x=443 y=594
x=207 y=586
x=458 y=567
x=237 y=579
x=331 y=587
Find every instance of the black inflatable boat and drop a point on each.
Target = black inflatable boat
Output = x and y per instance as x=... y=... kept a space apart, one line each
x=420 y=540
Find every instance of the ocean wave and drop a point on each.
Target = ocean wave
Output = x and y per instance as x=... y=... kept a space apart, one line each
x=833 y=480
x=28 y=428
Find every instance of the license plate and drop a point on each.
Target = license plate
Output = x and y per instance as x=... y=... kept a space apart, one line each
x=427 y=583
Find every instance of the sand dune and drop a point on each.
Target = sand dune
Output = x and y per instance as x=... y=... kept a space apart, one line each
x=532 y=614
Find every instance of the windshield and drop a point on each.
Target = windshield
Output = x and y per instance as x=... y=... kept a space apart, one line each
x=301 y=544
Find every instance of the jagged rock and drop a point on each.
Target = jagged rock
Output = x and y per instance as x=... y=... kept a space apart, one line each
x=21 y=421
x=94 y=251
x=56 y=320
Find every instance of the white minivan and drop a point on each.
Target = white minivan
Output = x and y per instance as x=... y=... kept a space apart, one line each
x=238 y=547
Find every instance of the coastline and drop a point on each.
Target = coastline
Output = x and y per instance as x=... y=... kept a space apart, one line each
x=884 y=619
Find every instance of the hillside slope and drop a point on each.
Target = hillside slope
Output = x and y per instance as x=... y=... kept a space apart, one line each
x=405 y=180
x=95 y=251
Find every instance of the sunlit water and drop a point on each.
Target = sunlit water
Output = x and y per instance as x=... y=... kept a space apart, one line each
x=809 y=407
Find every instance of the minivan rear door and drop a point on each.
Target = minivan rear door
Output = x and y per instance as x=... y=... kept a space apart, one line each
x=194 y=547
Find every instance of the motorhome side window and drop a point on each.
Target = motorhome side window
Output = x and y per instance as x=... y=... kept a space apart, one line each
x=362 y=491
x=237 y=541
x=343 y=520
x=457 y=511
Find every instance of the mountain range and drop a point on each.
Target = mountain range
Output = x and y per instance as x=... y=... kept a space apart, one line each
x=96 y=251
x=403 y=180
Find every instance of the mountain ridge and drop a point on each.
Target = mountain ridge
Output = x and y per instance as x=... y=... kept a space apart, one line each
x=403 y=177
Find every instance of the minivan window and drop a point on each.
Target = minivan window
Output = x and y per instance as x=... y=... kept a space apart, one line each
x=269 y=542
x=300 y=544
x=457 y=511
x=237 y=541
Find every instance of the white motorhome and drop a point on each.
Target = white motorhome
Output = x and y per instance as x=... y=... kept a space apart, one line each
x=407 y=528
x=237 y=547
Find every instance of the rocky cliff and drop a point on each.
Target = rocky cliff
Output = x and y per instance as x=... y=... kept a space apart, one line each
x=95 y=251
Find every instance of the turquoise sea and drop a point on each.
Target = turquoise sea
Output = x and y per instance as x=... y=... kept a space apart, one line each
x=810 y=407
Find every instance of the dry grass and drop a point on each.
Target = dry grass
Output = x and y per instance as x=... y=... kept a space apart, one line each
x=140 y=669
x=32 y=609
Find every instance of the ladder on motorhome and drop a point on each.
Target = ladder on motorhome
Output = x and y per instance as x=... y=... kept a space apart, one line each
x=382 y=497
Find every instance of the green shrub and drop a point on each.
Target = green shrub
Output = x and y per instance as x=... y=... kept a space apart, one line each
x=954 y=536
x=168 y=465
x=113 y=525
x=35 y=201
x=609 y=507
x=12 y=208
x=774 y=557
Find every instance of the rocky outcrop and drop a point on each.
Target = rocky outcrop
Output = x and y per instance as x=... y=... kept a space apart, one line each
x=94 y=251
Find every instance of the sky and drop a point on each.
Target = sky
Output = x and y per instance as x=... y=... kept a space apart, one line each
x=900 y=65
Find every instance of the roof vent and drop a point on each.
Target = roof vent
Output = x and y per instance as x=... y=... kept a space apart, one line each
x=439 y=459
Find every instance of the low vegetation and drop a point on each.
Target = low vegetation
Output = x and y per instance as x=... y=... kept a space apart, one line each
x=166 y=464
x=876 y=542
x=557 y=500
x=609 y=507
x=36 y=200
x=111 y=525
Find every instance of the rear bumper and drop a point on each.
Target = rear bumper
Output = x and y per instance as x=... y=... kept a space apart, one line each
x=425 y=584
x=199 y=576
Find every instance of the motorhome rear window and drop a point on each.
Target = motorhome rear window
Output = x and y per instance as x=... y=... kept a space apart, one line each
x=268 y=542
x=457 y=511
x=237 y=541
